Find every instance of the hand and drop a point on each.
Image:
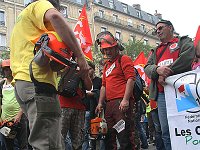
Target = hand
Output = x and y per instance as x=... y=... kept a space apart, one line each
x=90 y=94
x=164 y=71
x=124 y=105
x=161 y=80
x=17 y=118
x=1 y=122
x=99 y=108
x=83 y=65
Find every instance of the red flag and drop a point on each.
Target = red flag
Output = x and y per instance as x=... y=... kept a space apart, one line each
x=82 y=33
x=139 y=64
x=140 y=60
x=197 y=38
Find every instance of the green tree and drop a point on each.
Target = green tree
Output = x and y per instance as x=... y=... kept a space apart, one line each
x=133 y=48
x=4 y=52
x=5 y=55
x=97 y=59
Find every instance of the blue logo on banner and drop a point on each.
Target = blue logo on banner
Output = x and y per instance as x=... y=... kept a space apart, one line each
x=187 y=101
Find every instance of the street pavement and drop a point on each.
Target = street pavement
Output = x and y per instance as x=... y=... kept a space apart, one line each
x=151 y=147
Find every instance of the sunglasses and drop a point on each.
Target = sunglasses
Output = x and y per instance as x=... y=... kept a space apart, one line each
x=160 y=28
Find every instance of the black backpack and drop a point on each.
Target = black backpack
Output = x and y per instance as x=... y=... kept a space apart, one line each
x=138 y=86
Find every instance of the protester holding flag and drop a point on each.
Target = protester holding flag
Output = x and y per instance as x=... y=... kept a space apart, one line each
x=41 y=106
x=173 y=56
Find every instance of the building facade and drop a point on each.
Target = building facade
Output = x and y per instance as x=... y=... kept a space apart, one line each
x=124 y=21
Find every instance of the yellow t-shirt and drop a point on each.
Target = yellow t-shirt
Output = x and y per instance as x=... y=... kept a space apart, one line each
x=29 y=26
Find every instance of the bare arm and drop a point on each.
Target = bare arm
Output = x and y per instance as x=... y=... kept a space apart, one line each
x=102 y=98
x=60 y=25
x=18 y=116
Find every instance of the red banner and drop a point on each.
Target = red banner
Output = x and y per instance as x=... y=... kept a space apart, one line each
x=139 y=64
x=82 y=33
x=197 y=38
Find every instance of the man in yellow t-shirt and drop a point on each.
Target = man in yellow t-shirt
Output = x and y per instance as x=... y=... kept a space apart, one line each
x=41 y=107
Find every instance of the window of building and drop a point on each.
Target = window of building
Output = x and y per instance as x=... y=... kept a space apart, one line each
x=138 y=13
x=99 y=1
x=78 y=1
x=115 y=17
x=130 y=22
x=101 y=13
x=2 y=18
x=2 y=39
x=132 y=37
x=103 y=29
x=79 y=12
x=125 y=7
x=138 y=27
x=143 y=29
x=26 y=2
x=150 y=17
x=118 y=34
x=111 y=4
x=145 y=41
x=63 y=11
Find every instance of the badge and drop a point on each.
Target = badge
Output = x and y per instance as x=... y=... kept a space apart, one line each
x=173 y=47
x=109 y=70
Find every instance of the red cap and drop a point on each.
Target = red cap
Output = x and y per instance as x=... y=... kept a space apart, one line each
x=107 y=41
x=5 y=63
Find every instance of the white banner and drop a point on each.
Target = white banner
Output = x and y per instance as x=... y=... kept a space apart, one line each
x=182 y=94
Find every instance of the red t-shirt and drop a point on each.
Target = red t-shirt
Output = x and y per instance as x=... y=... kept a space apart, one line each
x=72 y=102
x=168 y=57
x=114 y=79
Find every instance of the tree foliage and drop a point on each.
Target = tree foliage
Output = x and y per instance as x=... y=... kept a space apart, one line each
x=5 y=55
x=133 y=48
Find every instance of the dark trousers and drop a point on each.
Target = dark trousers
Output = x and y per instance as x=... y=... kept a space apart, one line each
x=125 y=137
x=21 y=138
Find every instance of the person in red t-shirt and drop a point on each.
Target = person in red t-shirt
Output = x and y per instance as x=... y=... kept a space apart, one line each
x=73 y=115
x=117 y=90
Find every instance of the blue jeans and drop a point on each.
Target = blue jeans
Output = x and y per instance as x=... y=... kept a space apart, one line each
x=142 y=134
x=158 y=132
x=162 y=113
x=68 y=142
x=2 y=142
x=85 y=145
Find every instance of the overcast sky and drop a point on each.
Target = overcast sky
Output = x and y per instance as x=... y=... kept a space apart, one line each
x=184 y=14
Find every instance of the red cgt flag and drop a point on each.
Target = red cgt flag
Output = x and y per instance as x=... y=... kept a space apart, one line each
x=197 y=38
x=139 y=64
x=82 y=33
x=140 y=60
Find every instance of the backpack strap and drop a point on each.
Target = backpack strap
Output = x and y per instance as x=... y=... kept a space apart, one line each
x=120 y=61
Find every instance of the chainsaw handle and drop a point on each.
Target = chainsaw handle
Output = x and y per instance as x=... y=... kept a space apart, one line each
x=101 y=114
